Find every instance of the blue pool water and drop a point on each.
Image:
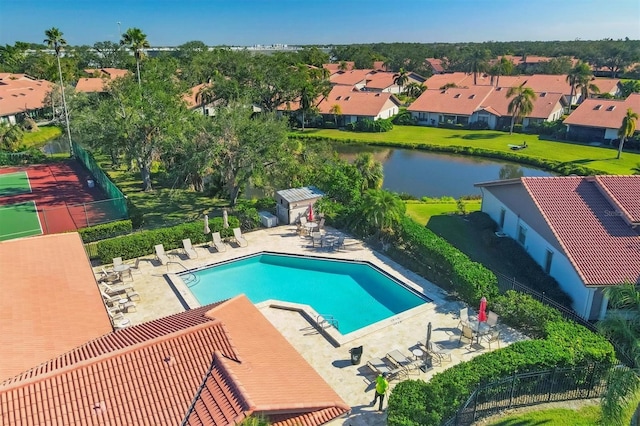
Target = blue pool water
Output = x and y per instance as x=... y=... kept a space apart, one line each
x=356 y=294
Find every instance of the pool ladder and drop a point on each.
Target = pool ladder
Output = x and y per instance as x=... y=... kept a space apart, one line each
x=192 y=280
x=324 y=321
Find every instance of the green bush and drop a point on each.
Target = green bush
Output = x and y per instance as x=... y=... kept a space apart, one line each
x=404 y=118
x=142 y=243
x=370 y=126
x=438 y=261
x=104 y=231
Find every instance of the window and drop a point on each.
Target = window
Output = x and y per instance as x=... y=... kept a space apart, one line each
x=547 y=261
x=503 y=212
x=522 y=234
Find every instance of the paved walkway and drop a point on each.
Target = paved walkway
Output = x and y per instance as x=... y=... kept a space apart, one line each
x=354 y=383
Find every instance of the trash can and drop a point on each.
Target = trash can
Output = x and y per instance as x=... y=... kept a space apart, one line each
x=356 y=355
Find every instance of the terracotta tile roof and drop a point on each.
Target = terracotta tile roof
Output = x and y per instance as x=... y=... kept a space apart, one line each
x=436 y=64
x=543 y=106
x=621 y=193
x=604 y=113
x=602 y=247
x=207 y=366
x=380 y=80
x=607 y=85
x=97 y=82
x=379 y=66
x=67 y=312
x=20 y=93
x=366 y=104
x=349 y=78
x=333 y=68
x=192 y=97
x=463 y=101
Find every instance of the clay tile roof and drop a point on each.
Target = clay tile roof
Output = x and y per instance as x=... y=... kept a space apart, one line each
x=366 y=104
x=20 y=93
x=68 y=311
x=544 y=104
x=207 y=366
x=333 y=68
x=436 y=64
x=90 y=84
x=192 y=97
x=604 y=113
x=596 y=239
x=349 y=78
x=452 y=101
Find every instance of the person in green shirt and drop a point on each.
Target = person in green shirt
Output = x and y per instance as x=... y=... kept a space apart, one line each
x=381 y=389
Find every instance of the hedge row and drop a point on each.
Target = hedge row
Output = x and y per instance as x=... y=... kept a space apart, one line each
x=142 y=243
x=106 y=230
x=562 y=343
x=438 y=261
x=559 y=167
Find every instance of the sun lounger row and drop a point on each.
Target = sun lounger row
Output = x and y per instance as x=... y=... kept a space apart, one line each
x=394 y=364
x=191 y=252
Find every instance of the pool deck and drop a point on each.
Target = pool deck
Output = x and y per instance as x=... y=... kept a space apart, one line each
x=354 y=383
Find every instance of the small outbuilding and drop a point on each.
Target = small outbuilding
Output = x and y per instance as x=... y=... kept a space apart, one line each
x=295 y=202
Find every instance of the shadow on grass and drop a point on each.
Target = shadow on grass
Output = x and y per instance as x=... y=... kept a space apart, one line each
x=476 y=136
x=515 y=422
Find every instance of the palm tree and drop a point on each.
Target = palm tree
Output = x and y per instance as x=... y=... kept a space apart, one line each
x=623 y=327
x=477 y=62
x=371 y=171
x=135 y=40
x=627 y=129
x=415 y=89
x=336 y=110
x=381 y=211
x=522 y=103
x=578 y=75
x=400 y=78
x=55 y=41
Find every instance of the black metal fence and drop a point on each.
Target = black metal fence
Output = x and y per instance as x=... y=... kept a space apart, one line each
x=560 y=384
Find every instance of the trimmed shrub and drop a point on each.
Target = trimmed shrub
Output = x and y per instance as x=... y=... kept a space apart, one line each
x=370 y=126
x=106 y=230
x=438 y=261
x=142 y=243
x=404 y=118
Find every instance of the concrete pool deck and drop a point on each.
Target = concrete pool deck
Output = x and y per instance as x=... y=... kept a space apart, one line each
x=354 y=383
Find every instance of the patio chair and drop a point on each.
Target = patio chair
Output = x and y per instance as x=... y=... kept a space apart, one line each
x=303 y=225
x=464 y=317
x=118 y=302
x=316 y=238
x=108 y=276
x=467 y=334
x=161 y=256
x=492 y=319
x=188 y=249
x=118 y=319
x=321 y=225
x=217 y=242
x=378 y=366
x=119 y=268
x=339 y=243
x=112 y=290
x=492 y=337
x=439 y=352
x=401 y=360
x=242 y=242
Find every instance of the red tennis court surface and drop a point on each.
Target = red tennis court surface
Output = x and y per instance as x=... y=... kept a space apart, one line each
x=60 y=191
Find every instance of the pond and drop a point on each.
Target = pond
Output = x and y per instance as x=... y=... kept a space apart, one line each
x=423 y=173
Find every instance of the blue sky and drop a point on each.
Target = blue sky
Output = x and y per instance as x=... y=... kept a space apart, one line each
x=249 y=22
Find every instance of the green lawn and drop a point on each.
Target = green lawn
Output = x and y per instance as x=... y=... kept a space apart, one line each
x=599 y=158
x=421 y=212
x=40 y=137
x=586 y=416
x=163 y=206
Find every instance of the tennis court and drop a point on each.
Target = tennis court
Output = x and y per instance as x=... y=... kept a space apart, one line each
x=14 y=184
x=19 y=220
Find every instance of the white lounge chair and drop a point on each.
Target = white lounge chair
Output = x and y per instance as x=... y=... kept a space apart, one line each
x=217 y=242
x=121 y=291
x=188 y=249
x=161 y=255
x=118 y=319
x=242 y=242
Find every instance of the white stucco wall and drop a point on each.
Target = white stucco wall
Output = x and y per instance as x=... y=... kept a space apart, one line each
x=561 y=268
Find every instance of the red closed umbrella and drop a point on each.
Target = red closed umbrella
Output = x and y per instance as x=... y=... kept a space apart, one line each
x=310 y=213
x=482 y=312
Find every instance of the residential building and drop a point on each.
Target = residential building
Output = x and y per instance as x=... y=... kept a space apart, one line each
x=22 y=96
x=356 y=105
x=380 y=81
x=598 y=120
x=583 y=231
x=196 y=102
x=98 y=80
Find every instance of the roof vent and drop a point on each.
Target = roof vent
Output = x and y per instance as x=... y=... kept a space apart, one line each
x=543 y=94
x=472 y=96
x=347 y=98
x=377 y=94
x=169 y=360
x=338 y=98
x=597 y=107
x=457 y=95
x=611 y=108
x=498 y=89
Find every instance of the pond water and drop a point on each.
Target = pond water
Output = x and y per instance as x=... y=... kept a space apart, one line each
x=422 y=173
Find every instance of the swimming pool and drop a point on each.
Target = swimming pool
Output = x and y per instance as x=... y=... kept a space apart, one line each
x=354 y=293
